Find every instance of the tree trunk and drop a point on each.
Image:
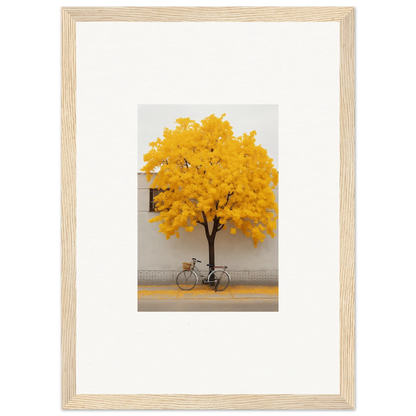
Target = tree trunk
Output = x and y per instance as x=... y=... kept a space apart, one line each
x=211 y=240
x=211 y=253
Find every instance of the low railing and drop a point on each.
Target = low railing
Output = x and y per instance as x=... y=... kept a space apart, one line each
x=238 y=277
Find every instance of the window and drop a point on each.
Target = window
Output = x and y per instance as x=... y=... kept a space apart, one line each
x=152 y=202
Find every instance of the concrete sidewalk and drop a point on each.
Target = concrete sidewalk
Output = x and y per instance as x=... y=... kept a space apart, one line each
x=204 y=292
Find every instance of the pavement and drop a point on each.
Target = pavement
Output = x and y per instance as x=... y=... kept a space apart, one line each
x=203 y=298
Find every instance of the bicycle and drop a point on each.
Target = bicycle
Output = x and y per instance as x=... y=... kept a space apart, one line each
x=217 y=280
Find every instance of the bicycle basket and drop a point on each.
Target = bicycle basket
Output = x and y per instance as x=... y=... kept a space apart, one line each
x=186 y=266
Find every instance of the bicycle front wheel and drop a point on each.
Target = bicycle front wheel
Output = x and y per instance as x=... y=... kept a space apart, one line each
x=219 y=280
x=186 y=280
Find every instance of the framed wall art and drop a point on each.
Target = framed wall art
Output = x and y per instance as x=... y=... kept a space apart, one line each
x=208 y=208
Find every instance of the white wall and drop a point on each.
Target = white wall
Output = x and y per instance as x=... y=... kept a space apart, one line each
x=236 y=251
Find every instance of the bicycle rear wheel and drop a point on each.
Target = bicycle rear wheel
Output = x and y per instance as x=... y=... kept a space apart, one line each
x=186 y=280
x=219 y=280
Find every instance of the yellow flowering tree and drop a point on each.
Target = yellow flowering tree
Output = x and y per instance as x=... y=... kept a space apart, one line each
x=211 y=178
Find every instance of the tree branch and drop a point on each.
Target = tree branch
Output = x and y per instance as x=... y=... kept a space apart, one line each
x=228 y=198
x=205 y=224
x=220 y=227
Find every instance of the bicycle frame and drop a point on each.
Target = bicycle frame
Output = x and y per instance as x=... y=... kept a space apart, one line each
x=200 y=275
x=197 y=272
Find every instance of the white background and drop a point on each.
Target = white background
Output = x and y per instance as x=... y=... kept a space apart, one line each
x=120 y=351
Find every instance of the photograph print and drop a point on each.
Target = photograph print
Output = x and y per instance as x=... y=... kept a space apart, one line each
x=208 y=211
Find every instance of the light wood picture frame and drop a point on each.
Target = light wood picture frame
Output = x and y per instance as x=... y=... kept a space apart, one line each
x=346 y=398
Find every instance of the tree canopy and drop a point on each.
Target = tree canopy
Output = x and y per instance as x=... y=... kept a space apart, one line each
x=210 y=177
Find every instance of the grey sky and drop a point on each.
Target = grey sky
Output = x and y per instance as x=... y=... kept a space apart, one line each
x=153 y=119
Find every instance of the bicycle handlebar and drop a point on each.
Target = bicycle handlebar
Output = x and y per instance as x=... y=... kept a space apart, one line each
x=194 y=259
